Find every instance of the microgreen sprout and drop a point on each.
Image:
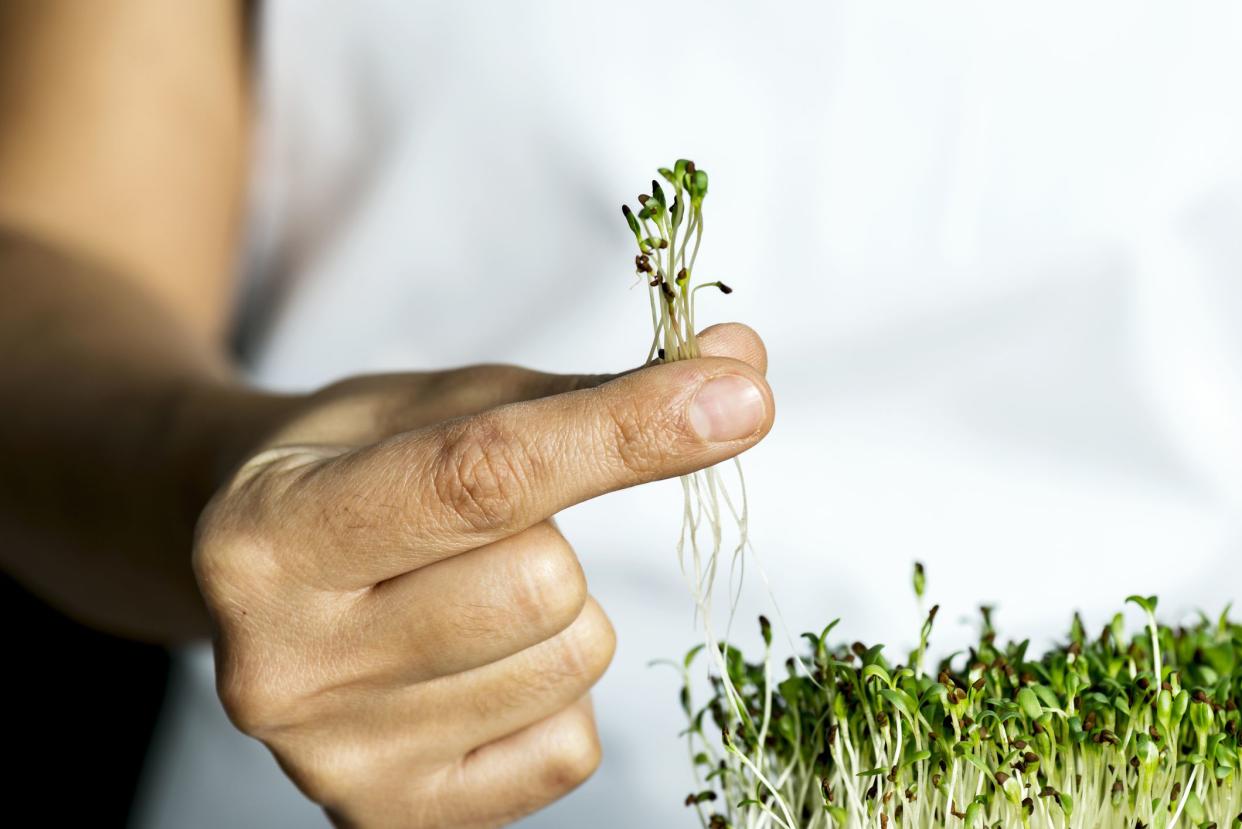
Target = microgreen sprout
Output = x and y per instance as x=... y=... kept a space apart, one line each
x=668 y=231
x=668 y=235
x=1107 y=732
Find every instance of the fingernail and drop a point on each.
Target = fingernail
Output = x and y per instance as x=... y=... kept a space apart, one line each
x=727 y=408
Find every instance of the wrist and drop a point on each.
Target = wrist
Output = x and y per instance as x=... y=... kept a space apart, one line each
x=216 y=425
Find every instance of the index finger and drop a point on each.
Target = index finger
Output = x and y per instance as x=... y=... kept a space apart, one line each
x=424 y=495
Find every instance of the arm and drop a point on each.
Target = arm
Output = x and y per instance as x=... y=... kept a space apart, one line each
x=116 y=427
x=121 y=160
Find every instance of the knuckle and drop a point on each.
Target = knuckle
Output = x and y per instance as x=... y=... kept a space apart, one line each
x=219 y=539
x=256 y=705
x=480 y=474
x=578 y=382
x=265 y=692
x=550 y=585
x=329 y=775
x=233 y=560
x=586 y=648
x=242 y=537
x=574 y=755
x=480 y=387
x=211 y=558
x=565 y=668
x=508 y=379
x=635 y=438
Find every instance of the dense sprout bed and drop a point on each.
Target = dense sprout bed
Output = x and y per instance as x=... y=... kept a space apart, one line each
x=1106 y=730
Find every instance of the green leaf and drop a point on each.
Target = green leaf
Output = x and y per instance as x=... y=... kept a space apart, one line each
x=679 y=169
x=1221 y=657
x=978 y=763
x=679 y=209
x=1194 y=809
x=916 y=757
x=791 y=690
x=935 y=691
x=1201 y=716
x=630 y=219
x=1225 y=756
x=697 y=185
x=1030 y=704
x=874 y=670
x=900 y=700
x=872 y=654
x=658 y=193
x=1046 y=696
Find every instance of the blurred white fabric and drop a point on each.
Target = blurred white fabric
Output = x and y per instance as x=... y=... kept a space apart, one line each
x=995 y=251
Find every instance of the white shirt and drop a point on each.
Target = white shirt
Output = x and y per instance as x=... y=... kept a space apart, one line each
x=995 y=251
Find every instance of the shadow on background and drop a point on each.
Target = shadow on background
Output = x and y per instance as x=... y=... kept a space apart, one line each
x=80 y=707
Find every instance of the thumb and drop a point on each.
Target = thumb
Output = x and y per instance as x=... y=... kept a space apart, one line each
x=732 y=339
x=367 y=409
x=729 y=339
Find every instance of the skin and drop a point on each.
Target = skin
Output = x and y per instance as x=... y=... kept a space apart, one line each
x=394 y=611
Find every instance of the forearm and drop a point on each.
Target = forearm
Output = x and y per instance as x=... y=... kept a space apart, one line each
x=116 y=426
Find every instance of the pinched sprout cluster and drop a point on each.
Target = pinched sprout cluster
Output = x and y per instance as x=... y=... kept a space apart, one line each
x=669 y=231
x=1107 y=731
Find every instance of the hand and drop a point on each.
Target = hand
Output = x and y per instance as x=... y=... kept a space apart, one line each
x=397 y=616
